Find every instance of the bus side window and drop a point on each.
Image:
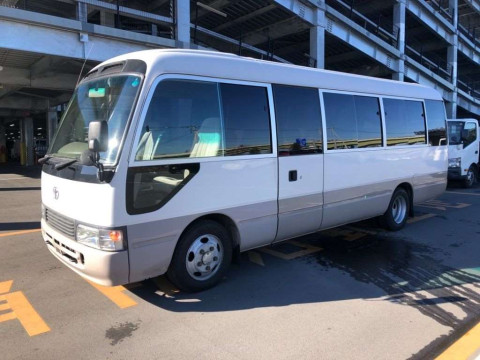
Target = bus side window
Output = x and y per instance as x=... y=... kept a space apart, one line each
x=437 y=132
x=177 y=112
x=353 y=121
x=246 y=120
x=404 y=122
x=299 y=120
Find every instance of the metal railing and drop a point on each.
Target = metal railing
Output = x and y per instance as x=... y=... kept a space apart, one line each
x=471 y=87
x=443 y=8
x=120 y=14
x=378 y=24
x=433 y=62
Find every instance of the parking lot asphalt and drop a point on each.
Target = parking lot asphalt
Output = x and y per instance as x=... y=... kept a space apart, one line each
x=355 y=292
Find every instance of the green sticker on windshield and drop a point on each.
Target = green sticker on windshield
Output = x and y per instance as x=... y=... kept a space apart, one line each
x=96 y=92
x=135 y=83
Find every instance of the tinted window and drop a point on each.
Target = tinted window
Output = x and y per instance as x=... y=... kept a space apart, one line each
x=246 y=120
x=404 y=122
x=469 y=134
x=436 y=122
x=369 y=123
x=352 y=121
x=299 y=123
x=183 y=120
x=340 y=121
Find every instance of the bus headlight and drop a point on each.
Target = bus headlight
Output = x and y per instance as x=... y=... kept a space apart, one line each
x=103 y=239
x=454 y=162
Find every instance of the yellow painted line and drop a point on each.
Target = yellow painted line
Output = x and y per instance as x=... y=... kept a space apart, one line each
x=256 y=258
x=115 y=294
x=465 y=347
x=420 y=218
x=345 y=234
x=441 y=205
x=307 y=249
x=26 y=314
x=20 y=232
x=5 y=286
x=6 y=317
x=462 y=193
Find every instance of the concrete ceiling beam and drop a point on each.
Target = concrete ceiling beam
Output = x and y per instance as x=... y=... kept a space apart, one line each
x=22 y=78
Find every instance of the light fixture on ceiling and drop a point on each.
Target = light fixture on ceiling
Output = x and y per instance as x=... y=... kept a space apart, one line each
x=1 y=67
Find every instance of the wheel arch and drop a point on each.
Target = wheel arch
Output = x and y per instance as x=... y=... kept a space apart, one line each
x=409 y=189
x=227 y=223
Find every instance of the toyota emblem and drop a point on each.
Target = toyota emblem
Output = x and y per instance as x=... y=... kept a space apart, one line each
x=56 y=193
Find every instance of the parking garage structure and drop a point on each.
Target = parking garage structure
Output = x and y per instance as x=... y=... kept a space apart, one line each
x=46 y=46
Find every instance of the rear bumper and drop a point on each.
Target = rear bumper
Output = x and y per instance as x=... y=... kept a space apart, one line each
x=102 y=267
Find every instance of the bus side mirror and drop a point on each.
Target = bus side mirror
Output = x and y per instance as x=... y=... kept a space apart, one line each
x=98 y=136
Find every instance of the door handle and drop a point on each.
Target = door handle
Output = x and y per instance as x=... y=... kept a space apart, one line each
x=292 y=175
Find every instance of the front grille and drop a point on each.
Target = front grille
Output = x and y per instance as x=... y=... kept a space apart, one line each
x=61 y=223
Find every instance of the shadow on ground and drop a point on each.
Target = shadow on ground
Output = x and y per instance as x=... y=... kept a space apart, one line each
x=374 y=267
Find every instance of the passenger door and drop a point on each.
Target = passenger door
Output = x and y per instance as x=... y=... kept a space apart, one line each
x=300 y=160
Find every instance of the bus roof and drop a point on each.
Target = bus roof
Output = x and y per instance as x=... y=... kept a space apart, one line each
x=234 y=67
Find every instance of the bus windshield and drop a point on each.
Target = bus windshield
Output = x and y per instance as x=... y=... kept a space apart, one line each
x=110 y=99
x=455 y=129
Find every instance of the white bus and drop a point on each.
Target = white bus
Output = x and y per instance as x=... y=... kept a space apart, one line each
x=173 y=161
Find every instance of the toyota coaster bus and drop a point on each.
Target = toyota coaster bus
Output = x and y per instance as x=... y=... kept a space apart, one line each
x=173 y=161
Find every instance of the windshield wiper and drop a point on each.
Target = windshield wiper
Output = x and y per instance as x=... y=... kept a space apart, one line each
x=65 y=164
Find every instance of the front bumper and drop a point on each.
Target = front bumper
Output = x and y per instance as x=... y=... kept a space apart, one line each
x=102 y=267
x=455 y=174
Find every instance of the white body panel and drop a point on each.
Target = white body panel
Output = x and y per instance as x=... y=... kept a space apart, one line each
x=86 y=202
x=300 y=201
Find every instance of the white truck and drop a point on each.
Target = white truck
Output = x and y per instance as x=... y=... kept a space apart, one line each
x=463 y=151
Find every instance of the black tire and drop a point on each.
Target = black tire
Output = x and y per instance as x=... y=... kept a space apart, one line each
x=396 y=215
x=468 y=182
x=192 y=270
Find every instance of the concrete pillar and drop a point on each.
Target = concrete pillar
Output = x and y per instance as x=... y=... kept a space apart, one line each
x=3 y=144
x=82 y=12
x=452 y=59
x=26 y=142
x=52 y=122
x=399 y=13
x=107 y=19
x=182 y=23
x=453 y=7
x=317 y=37
x=451 y=107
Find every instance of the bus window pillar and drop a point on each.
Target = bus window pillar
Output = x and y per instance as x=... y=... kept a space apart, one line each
x=3 y=145
x=399 y=12
x=317 y=38
x=182 y=23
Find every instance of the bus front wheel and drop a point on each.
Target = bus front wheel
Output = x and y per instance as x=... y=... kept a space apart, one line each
x=397 y=213
x=201 y=258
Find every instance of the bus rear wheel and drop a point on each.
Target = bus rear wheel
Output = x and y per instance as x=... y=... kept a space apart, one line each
x=201 y=258
x=397 y=213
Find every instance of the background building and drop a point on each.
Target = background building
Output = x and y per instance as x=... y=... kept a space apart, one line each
x=46 y=45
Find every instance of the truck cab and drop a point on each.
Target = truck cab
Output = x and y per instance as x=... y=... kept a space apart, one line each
x=463 y=151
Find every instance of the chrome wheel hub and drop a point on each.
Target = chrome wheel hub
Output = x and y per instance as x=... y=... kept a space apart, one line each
x=204 y=257
x=399 y=209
